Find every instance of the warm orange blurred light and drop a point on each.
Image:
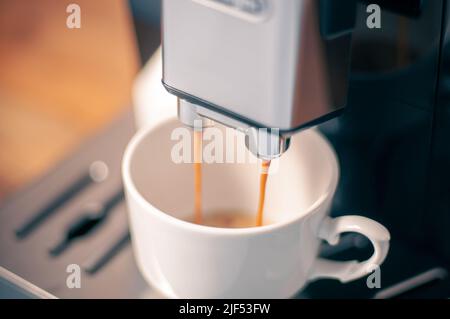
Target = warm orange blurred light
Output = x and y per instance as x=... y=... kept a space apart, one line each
x=59 y=85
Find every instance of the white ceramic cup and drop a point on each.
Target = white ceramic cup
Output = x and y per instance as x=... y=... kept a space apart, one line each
x=184 y=260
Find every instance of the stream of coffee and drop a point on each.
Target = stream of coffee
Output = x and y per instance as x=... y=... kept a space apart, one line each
x=265 y=165
x=230 y=219
x=198 y=136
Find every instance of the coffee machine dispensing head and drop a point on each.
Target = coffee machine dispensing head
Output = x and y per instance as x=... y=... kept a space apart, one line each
x=266 y=67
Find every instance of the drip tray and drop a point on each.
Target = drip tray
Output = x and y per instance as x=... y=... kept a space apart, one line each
x=35 y=222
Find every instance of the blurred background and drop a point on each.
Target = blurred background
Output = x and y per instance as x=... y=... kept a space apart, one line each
x=59 y=86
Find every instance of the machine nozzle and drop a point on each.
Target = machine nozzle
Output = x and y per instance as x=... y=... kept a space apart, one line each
x=266 y=144
x=188 y=115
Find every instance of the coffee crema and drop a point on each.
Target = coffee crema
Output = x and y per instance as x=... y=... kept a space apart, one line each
x=228 y=219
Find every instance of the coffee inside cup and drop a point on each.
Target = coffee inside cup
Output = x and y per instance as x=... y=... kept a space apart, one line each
x=169 y=187
x=228 y=219
x=223 y=219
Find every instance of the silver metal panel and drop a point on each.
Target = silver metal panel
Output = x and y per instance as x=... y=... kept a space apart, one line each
x=276 y=70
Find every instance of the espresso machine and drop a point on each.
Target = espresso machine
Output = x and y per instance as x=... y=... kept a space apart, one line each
x=380 y=95
x=281 y=66
x=271 y=69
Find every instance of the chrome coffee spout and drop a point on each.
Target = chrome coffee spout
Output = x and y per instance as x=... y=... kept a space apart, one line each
x=188 y=115
x=264 y=143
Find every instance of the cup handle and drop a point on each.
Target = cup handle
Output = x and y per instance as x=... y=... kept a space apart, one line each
x=331 y=229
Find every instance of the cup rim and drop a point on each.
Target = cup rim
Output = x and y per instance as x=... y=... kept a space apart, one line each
x=131 y=189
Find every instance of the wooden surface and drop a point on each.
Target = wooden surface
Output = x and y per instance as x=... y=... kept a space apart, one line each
x=59 y=86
